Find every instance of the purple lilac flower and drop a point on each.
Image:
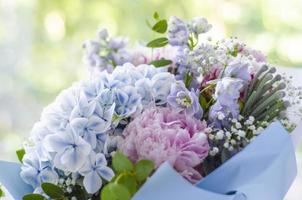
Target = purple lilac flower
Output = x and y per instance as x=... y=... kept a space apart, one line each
x=183 y=100
x=227 y=94
x=178 y=33
x=238 y=68
x=228 y=90
x=105 y=53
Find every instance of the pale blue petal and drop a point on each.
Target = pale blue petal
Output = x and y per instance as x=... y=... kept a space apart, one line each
x=92 y=182
x=56 y=142
x=50 y=176
x=78 y=125
x=30 y=176
x=105 y=172
x=100 y=160
x=73 y=159
x=98 y=125
x=90 y=138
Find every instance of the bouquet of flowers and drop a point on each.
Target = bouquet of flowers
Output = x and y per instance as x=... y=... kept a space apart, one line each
x=180 y=117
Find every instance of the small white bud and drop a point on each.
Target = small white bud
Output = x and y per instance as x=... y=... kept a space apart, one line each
x=226 y=145
x=220 y=116
x=231 y=148
x=241 y=133
x=215 y=149
x=219 y=135
x=238 y=125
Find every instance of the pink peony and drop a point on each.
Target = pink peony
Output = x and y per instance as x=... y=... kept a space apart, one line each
x=161 y=134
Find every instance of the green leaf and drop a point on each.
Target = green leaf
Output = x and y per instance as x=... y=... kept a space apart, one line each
x=160 y=26
x=156 y=16
x=160 y=63
x=159 y=42
x=53 y=191
x=143 y=169
x=20 y=153
x=115 y=191
x=121 y=163
x=33 y=197
x=188 y=79
x=129 y=182
x=203 y=102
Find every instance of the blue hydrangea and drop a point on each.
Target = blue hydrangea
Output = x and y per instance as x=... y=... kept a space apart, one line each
x=70 y=150
x=34 y=171
x=81 y=123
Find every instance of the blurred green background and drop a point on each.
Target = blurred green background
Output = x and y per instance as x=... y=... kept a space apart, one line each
x=40 y=44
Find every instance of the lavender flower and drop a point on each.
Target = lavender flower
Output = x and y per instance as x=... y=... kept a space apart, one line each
x=228 y=90
x=227 y=94
x=238 y=68
x=181 y=99
x=105 y=53
x=178 y=33
x=199 y=25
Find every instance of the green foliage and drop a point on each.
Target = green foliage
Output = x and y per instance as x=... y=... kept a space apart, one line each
x=161 y=62
x=143 y=169
x=115 y=191
x=264 y=96
x=158 y=42
x=20 y=153
x=188 y=79
x=156 y=15
x=33 y=197
x=203 y=102
x=53 y=191
x=128 y=178
x=161 y=26
x=121 y=163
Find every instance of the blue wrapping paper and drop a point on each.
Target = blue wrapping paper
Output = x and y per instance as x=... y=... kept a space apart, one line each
x=11 y=180
x=264 y=170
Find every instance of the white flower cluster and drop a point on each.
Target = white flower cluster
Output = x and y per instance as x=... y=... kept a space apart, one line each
x=294 y=97
x=240 y=133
